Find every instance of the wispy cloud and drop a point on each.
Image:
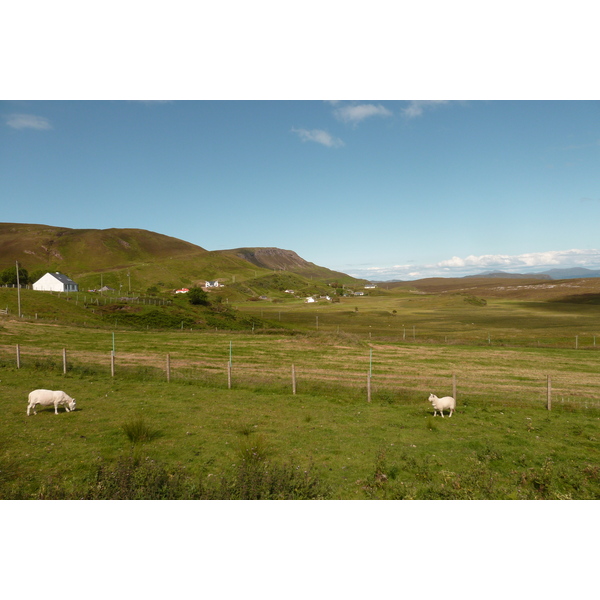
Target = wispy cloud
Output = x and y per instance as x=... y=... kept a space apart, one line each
x=472 y=265
x=22 y=121
x=417 y=107
x=582 y=146
x=319 y=136
x=355 y=113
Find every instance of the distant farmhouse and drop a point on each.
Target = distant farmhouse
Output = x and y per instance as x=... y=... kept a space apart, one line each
x=55 y=282
x=213 y=284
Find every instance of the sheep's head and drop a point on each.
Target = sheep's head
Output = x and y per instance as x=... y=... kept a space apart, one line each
x=432 y=398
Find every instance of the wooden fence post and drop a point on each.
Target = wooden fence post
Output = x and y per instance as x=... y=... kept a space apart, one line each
x=368 y=387
x=229 y=375
x=18 y=356
x=549 y=396
x=168 y=368
x=64 y=354
x=454 y=385
x=293 y=380
x=112 y=364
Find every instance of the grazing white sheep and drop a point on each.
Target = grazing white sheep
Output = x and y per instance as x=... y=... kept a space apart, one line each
x=49 y=397
x=442 y=404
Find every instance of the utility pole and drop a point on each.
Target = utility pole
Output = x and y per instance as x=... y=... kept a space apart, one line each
x=18 y=291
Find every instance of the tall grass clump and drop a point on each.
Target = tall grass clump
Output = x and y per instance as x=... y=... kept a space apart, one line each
x=138 y=431
x=253 y=450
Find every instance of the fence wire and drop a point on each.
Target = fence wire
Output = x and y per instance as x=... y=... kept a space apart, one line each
x=352 y=380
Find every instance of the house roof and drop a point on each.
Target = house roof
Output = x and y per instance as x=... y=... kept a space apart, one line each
x=62 y=278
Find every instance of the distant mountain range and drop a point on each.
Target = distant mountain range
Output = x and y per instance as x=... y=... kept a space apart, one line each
x=570 y=273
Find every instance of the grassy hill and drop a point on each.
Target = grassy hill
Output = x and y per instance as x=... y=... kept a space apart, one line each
x=82 y=250
x=135 y=260
x=97 y=311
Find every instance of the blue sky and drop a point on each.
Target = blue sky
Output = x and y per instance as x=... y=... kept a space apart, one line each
x=377 y=189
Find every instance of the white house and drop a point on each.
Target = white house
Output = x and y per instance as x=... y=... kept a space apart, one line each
x=55 y=282
x=211 y=284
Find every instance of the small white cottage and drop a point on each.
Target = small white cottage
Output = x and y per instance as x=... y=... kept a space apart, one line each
x=55 y=282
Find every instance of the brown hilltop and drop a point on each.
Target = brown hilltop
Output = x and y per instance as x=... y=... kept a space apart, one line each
x=82 y=250
x=277 y=259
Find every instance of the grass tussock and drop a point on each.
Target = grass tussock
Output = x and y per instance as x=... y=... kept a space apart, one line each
x=253 y=450
x=139 y=432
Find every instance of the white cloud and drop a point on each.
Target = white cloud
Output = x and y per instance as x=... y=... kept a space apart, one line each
x=355 y=113
x=548 y=259
x=472 y=265
x=417 y=107
x=319 y=136
x=21 y=121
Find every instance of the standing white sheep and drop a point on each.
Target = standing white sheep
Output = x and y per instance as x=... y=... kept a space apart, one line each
x=442 y=404
x=49 y=398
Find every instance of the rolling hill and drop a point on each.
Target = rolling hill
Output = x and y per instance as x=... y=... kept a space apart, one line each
x=84 y=250
x=566 y=273
x=136 y=259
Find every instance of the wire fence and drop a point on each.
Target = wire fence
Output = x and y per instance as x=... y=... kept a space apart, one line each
x=356 y=380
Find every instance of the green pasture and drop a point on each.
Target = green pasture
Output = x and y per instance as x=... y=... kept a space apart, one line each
x=502 y=442
x=389 y=448
x=198 y=438
x=441 y=319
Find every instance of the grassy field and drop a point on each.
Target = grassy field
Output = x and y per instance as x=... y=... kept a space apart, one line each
x=456 y=318
x=137 y=435
x=258 y=440
x=390 y=448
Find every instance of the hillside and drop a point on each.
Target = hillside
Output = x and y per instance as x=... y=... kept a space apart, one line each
x=578 y=291
x=505 y=275
x=136 y=259
x=276 y=259
x=82 y=250
x=565 y=273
